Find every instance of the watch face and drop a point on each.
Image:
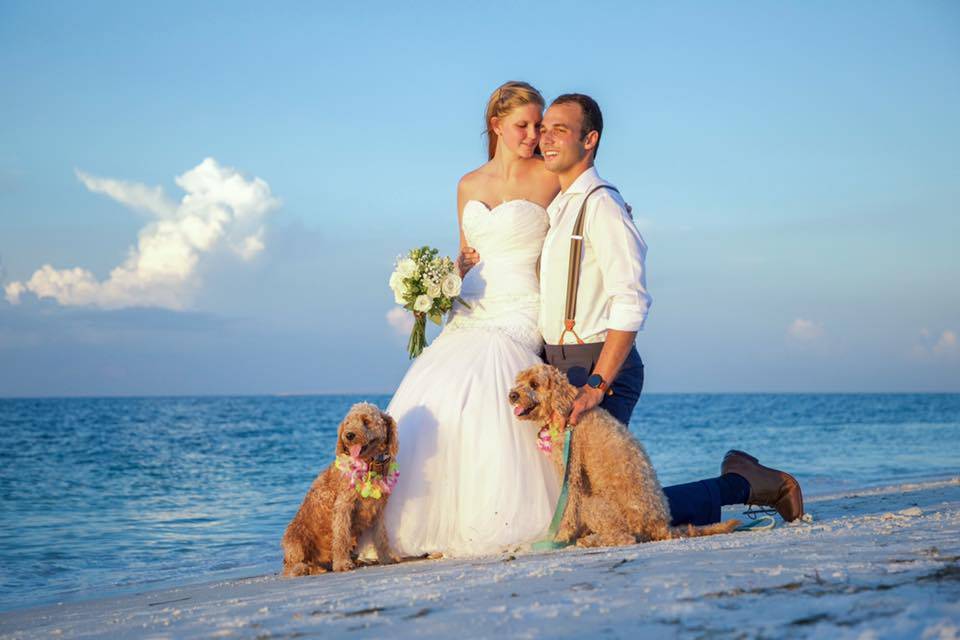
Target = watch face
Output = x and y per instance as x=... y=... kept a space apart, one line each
x=595 y=381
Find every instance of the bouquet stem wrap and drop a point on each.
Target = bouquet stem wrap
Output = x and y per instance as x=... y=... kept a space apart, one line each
x=418 y=336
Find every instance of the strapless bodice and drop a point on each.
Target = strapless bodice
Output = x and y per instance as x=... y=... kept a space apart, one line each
x=502 y=289
x=508 y=238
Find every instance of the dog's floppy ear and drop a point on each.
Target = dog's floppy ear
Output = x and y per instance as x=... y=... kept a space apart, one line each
x=393 y=438
x=562 y=392
x=539 y=376
x=554 y=379
x=341 y=446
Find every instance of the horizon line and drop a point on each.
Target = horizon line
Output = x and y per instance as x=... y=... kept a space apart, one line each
x=320 y=394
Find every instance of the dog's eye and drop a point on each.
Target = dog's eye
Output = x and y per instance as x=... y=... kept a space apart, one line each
x=534 y=386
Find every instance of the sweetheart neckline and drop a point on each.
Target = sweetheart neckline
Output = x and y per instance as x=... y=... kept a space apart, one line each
x=505 y=202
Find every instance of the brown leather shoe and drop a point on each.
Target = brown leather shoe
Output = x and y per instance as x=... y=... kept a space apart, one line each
x=768 y=487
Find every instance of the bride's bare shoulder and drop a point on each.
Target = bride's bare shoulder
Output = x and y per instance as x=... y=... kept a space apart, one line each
x=536 y=166
x=474 y=181
x=547 y=183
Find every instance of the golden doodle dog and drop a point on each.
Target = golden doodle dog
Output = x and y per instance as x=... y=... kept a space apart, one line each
x=614 y=498
x=347 y=498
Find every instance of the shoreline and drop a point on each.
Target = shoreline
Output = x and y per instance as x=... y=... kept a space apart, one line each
x=265 y=568
x=883 y=559
x=381 y=394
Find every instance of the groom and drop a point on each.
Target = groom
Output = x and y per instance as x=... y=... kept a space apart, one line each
x=590 y=325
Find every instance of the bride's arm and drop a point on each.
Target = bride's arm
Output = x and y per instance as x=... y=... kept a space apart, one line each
x=468 y=255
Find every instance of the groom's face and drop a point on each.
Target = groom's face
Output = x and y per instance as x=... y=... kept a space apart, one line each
x=561 y=139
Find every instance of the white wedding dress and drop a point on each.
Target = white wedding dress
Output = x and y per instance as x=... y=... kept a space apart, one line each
x=472 y=481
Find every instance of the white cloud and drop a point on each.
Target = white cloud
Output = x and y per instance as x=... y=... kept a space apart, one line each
x=13 y=291
x=133 y=194
x=805 y=330
x=946 y=344
x=928 y=347
x=251 y=245
x=401 y=320
x=221 y=210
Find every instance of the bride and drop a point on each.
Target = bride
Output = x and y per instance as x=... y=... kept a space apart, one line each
x=472 y=479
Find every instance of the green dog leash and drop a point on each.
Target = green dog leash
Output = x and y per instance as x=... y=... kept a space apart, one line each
x=549 y=543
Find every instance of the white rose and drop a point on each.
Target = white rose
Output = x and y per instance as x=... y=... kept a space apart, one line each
x=422 y=303
x=407 y=268
x=451 y=285
x=395 y=281
x=400 y=295
x=433 y=290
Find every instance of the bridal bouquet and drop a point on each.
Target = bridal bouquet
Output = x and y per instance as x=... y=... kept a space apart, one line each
x=427 y=285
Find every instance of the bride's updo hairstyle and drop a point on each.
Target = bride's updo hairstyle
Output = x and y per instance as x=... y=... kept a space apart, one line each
x=505 y=99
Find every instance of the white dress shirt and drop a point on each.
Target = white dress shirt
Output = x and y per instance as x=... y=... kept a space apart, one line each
x=613 y=291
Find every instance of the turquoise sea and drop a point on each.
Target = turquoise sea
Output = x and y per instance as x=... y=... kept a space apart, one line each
x=114 y=495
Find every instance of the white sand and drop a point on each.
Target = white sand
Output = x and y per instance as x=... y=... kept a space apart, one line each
x=876 y=563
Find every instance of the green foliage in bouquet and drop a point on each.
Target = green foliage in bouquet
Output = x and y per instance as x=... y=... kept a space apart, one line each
x=427 y=285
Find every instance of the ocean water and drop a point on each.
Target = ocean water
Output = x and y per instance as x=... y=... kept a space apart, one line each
x=114 y=495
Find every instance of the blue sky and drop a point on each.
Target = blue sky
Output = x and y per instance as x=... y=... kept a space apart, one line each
x=793 y=168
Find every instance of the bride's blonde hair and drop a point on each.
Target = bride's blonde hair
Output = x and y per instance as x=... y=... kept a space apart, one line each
x=505 y=99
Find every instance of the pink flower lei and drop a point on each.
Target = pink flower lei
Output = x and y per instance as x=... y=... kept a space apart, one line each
x=548 y=436
x=368 y=483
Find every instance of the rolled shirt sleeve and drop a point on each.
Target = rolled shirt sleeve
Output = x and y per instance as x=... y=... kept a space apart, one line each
x=620 y=254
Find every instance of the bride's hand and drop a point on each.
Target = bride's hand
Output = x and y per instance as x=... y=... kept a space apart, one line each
x=468 y=257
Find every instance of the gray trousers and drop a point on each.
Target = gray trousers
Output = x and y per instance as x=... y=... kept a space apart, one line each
x=578 y=361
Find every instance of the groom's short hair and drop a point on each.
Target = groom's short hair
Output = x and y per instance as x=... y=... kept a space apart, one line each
x=592 y=118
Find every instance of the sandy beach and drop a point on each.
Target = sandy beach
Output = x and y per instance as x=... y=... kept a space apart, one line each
x=876 y=563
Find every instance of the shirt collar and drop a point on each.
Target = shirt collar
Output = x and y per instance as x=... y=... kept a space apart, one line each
x=584 y=182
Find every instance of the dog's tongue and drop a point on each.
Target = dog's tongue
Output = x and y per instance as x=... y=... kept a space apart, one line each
x=355 y=450
x=517 y=410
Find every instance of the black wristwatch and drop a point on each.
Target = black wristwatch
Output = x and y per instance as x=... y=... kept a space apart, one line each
x=596 y=381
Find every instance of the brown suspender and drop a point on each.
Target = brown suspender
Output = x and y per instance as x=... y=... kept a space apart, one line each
x=573 y=268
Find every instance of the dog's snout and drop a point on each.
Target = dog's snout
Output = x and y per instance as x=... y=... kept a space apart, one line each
x=350 y=435
x=514 y=396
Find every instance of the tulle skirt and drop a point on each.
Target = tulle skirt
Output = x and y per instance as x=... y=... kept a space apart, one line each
x=472 y=481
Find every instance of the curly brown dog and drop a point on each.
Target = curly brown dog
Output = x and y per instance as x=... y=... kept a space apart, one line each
x=324 y=532
x=614 y=496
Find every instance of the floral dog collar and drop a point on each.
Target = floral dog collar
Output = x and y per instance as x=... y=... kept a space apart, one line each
x=549 y=435
x=368 y=483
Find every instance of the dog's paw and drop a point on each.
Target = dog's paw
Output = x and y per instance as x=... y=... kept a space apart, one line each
x=619 y=539
x=296 y=570
x=565 y=535
x=592 y=540
x=343 y=565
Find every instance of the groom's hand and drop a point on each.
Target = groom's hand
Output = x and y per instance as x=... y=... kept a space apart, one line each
x=468 y=257
x=587 y=398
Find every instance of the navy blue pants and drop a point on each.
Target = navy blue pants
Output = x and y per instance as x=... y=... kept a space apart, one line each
x=694 y=503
